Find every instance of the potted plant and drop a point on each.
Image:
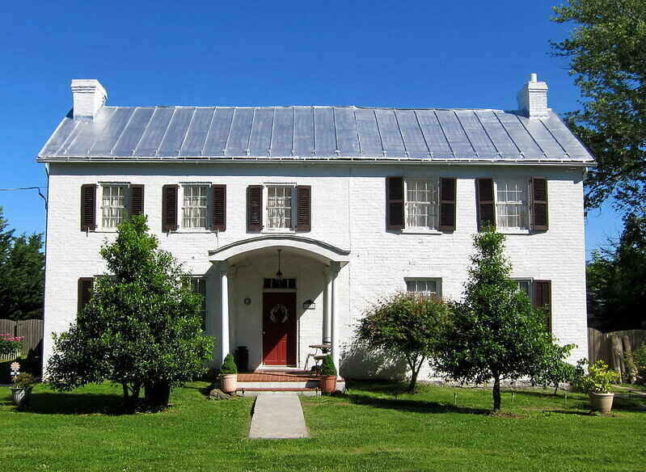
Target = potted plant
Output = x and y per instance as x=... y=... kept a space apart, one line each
x=21 y=390
x=229 y=375
x=596 y=383
x=328 y=375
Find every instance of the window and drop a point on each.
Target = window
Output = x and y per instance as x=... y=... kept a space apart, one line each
x=280 y=204
x=280 y=284
x=424 y=286
x=525 y=286
x=198 y=285
x=195 y=206
x=113 y=205
x=422 y=203
x=512 y=209
x=539 y=293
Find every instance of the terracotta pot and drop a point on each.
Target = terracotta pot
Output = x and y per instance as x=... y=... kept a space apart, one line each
x=20 y=396
x=328 y=383
x=229 y=383
x=601 y=401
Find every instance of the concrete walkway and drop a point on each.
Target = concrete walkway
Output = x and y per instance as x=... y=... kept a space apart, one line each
x=278 y=416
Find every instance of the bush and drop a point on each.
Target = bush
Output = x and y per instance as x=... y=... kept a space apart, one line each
x=327 y=366
x=552 y=370
x=24 y=380
x=639 y=357
x=229 y=366
x=598 y=379
x=10 y=344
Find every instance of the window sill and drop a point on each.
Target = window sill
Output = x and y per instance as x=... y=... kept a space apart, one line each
x=277 y=231
x=513 y=231
x=420 y=231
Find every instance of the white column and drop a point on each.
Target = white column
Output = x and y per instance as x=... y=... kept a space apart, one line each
x=332 y=289
x=222 y=269
x=327 y=308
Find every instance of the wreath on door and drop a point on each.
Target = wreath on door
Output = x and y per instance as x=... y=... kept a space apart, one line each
x=279 y=314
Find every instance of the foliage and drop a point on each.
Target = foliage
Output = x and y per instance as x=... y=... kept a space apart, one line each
x=616 y=279
x=10 y=344
x=405 y=325
x=598 y=379
x=639 y=357
x=607 y=52
x=24 y=380
x=22 y=274
x=553 y=370
x=229 y=366
x=141 y=328
x=494 y=333
x=327 y=366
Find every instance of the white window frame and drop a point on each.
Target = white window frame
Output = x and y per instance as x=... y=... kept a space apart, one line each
x=417 y=280
x=433 y=204
x=192 y=185
x=102 y=207
x=524 y=205
x=292 y=217
x=530 y=286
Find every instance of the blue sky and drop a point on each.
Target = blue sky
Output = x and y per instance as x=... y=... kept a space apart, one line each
x=386 y=53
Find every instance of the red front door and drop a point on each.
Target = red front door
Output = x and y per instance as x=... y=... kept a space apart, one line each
x=279 y=328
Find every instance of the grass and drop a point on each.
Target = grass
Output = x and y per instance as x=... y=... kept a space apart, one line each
x=374 y=427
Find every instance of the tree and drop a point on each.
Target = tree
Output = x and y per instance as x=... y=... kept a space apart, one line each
x=607 y=53
x=494 y=333
x=22 y=274
x=552 y=370
x=616 y=279
x=141 y=329
x=404 y=325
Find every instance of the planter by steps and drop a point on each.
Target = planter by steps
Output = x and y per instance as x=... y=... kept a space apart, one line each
x=229 y=383
x=328 y=383
x=601 y=402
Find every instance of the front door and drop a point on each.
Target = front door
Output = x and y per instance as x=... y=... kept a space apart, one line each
x=279 y=328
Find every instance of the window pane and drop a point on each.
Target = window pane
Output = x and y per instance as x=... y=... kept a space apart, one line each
x=526 y=287
x=511 y=203
x=422 y=286
x=279 y=206
x=195 y=206
x=421 y=203
x=113 y=205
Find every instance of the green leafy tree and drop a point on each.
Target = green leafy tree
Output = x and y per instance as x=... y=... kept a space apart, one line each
x=552 y=370
x=22 y=274
x=607 y=54
x=405 y=325
x=494 y=333
x=142 y=328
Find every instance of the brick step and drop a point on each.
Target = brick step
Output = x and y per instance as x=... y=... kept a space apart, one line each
x=254 y=391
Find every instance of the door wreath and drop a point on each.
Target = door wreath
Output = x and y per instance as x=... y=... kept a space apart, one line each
x=279 y=314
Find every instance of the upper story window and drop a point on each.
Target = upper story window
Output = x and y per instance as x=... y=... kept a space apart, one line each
x=424 y=286
x=512 y=203
x=195 y=206
x=280 y=206
x=421 y=203
x=113 y=205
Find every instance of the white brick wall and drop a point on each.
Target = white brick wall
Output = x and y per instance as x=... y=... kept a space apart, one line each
x=348 y=211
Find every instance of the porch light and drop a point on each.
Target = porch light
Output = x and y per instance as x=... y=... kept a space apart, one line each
x=279 y=274
x=309 y=304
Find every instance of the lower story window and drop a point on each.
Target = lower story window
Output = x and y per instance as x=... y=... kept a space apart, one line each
x=113 y=205
x=198 y=285
x=425 y=287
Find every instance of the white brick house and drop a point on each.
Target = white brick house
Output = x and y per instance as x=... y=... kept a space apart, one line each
x=356 y=202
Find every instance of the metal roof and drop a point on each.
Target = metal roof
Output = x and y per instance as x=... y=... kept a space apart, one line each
x=314 y=133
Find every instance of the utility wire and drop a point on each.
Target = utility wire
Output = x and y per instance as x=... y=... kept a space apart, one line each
x=38 y=189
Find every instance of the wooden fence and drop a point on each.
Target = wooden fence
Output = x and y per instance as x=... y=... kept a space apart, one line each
x=612 y=347
x=30 y=330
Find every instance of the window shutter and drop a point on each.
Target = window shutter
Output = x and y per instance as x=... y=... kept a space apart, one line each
x=169 y=208
x=303 y=208
x=539 y=204
x=88 y=207
x=85 y=288
x=543 y=299
x=447 y=203
x=136 y=200
x=486 y=205
x=219 y=215
x=254 y=208
x=395 y=203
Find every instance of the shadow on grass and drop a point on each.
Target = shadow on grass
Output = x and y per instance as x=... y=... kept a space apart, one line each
x=390 y=388
x=75 y=404
x=416 y=406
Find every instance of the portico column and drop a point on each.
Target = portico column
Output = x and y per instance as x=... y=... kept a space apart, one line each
x=333 y=305
x=223 y=283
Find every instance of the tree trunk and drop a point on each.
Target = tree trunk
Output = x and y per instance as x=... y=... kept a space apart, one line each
x=130 y=397
x=496 y=393
x=414 y=373
x=158 y=394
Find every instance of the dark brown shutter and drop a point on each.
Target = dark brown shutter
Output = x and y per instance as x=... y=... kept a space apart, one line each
x=136 y=199
x=543 y=299
x=395 y=203
x=539 y=204
x=219 y=215
x=447 y=204
x=88 y=207
x=303 y=208
x=254 y=208
x=169 y=208
x=486 y=205
x=85 y=287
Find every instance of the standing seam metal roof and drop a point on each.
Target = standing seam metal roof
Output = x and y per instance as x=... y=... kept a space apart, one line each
x=312 y=132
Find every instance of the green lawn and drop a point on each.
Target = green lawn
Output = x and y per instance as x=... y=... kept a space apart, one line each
x=369 y=429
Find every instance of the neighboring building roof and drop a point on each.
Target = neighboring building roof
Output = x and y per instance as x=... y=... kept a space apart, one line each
x=312 y=133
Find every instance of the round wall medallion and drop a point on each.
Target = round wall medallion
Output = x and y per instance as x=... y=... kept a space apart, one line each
x=247 y=301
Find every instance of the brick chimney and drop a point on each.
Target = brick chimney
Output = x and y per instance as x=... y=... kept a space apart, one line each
x=532 y=98
x=88 y=96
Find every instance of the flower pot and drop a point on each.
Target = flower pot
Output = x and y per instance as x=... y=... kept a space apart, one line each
x=229 y=383
x=328 y=383
x=20 y=396
x=601 y=401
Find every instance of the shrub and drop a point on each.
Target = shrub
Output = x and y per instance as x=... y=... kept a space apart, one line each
x=639 y=357
x=598 y=379
x=229 y=366
x=327 y=366
x=10 y=344
x=24 y=380
x=553 y=370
